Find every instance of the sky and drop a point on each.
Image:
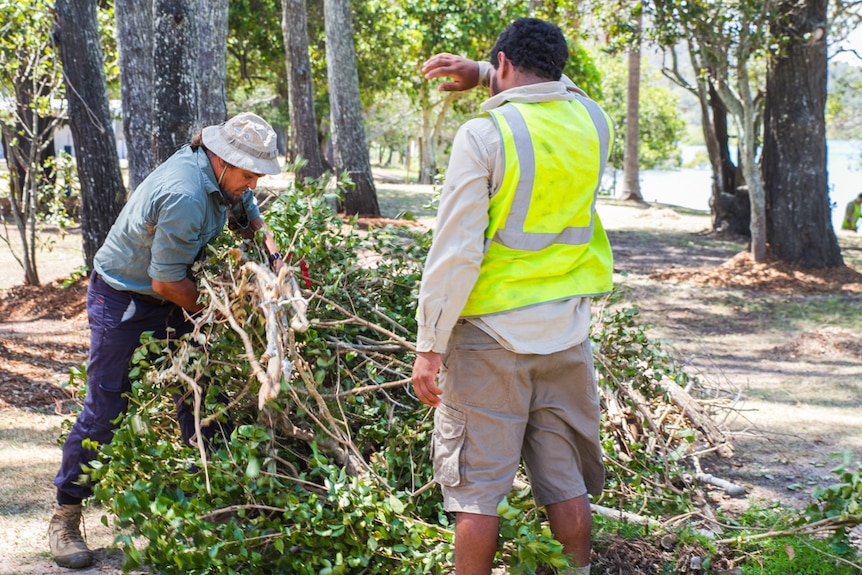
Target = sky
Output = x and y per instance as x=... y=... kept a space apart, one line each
x=854 y=41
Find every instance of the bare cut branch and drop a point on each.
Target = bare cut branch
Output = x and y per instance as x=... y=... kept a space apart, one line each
x=178 y=373
x=624 y=516
x=368 y=389
x=818 y=527
x=345 y=346
x=223 y=307
x=409 y=345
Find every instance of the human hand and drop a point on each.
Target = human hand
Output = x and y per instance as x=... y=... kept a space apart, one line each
x=424 y=378
x=276 y=265
x=463 y=71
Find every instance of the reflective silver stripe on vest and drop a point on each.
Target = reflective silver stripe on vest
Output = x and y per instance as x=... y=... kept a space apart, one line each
x=513 y=235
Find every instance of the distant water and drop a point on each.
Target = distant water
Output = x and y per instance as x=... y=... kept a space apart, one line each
x=691 y=187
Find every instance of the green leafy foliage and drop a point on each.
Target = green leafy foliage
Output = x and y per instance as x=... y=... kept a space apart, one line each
x=844 y=101
x=840 y=502
x=789 y=553
x=255 y=65
x=265 y=499
x=660 y=124
x=527 y=538
x=800 y=556
x=31 y=85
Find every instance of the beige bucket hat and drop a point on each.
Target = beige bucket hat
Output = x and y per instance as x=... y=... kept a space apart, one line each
x=245 y=141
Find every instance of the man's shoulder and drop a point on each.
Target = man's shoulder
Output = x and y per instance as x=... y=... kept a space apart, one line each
x=482 y=126
x=178 y=177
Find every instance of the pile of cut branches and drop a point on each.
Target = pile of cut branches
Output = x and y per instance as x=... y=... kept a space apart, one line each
x=323 y=463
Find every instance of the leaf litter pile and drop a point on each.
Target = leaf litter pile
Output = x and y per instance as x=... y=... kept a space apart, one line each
x=42 y=335
x=772 y=276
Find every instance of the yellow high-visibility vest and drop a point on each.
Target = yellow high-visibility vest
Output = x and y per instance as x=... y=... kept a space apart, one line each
x=852 y=215
x=544 y=240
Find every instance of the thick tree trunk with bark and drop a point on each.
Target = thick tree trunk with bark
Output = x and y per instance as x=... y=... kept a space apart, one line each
x=304 y=142
x=102 y=192
x=348 y=133
x=631 y=157
x=799 y=227
x=175 y=66
x=134 y=21
x=212 y=19
x=179 y=114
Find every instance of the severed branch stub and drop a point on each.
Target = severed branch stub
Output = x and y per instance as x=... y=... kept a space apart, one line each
x=732 y=489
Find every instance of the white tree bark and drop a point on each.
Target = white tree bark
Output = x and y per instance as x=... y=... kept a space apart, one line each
x=631 y=157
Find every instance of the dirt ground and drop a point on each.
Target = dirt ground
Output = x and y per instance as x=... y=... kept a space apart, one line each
x=763 y=335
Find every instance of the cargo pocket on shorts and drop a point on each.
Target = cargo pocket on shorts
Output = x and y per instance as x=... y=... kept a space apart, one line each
x=447 y=443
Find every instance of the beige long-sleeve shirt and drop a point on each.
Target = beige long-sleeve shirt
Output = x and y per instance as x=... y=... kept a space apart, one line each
x=474 y=175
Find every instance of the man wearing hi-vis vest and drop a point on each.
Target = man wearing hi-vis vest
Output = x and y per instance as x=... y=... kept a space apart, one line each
x=852 y=213
x=504 y=305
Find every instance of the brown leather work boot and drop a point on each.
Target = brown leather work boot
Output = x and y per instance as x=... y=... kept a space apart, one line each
x=64 y=537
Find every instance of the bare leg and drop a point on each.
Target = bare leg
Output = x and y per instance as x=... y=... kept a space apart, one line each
x=475 y=543
x=571 y=521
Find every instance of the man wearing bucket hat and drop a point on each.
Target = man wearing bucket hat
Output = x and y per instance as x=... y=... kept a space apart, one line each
x=141 y=282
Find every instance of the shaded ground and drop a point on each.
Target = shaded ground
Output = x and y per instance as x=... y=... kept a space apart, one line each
x=764 y=335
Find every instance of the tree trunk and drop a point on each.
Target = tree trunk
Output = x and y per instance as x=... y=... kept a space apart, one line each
x=27 y=135
x=212 y=18
x=134 y=21
x=750 y=169
x=744 y=107
x=102 y=193
x=21 y=204
x=24 y=142
x=303 y=123
x=731 y=206
x=631 y=158
x=756 y=195
x=799 y=225
x=175 y=65
x=427 y=151
x=348 y=134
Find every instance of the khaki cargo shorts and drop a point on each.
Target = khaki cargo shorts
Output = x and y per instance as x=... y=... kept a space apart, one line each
x=498 y=407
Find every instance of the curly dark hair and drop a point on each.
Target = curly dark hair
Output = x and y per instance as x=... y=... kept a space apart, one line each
x=533 y=45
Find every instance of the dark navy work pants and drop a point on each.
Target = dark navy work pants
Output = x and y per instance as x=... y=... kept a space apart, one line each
x=117 y=321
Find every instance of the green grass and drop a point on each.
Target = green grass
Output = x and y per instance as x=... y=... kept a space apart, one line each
x=795 y=313
x=790 y=554
x=396 y=203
